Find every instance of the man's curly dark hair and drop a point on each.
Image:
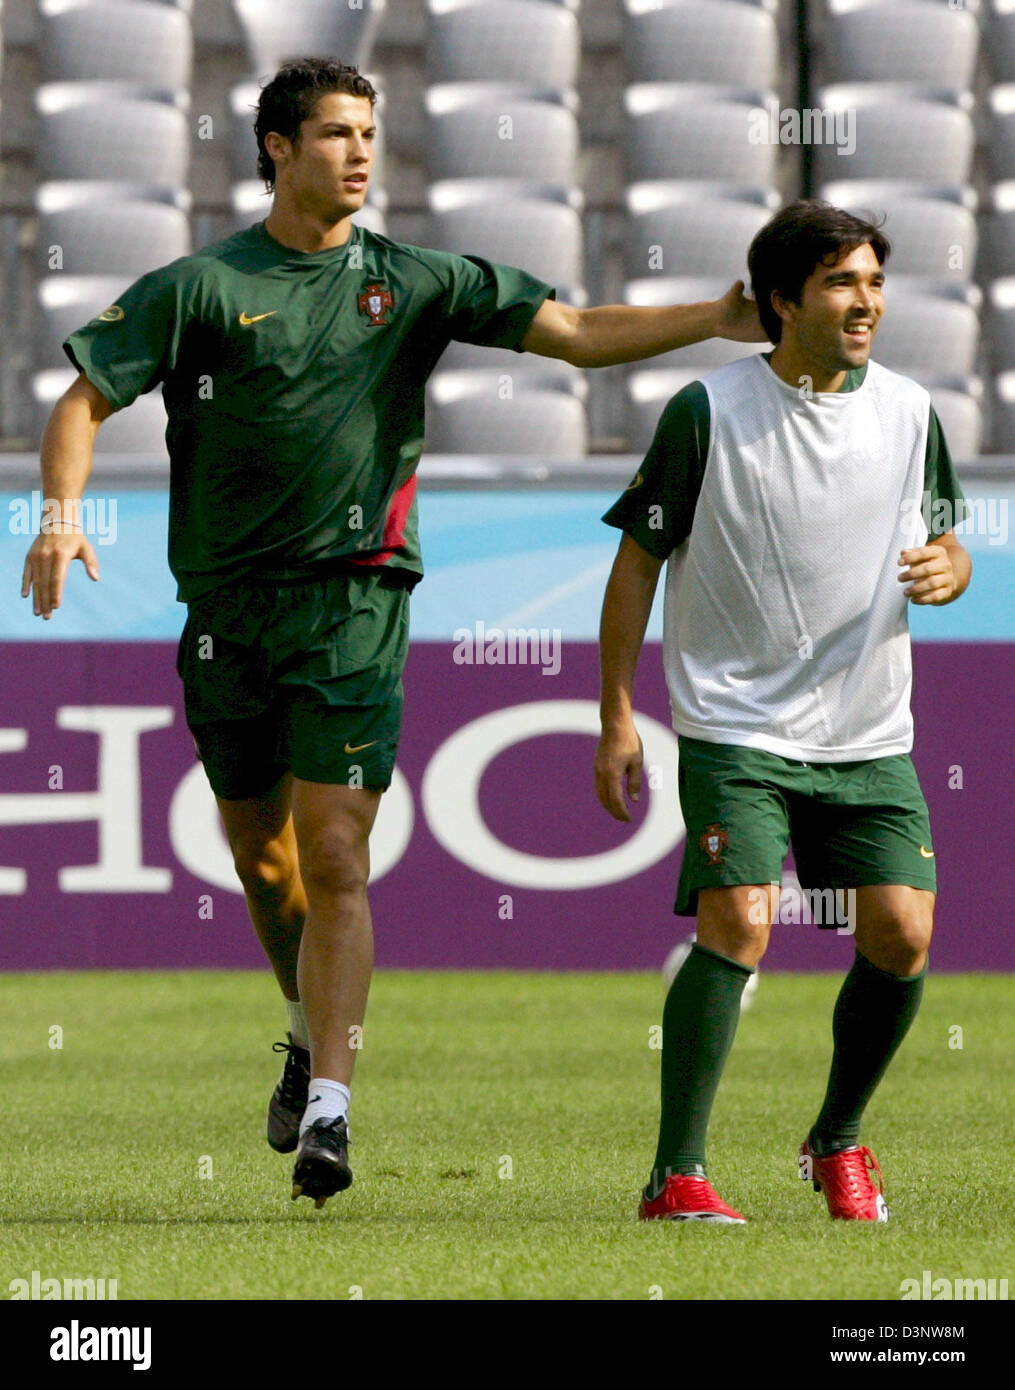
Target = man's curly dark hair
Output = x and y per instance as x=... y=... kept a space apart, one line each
x=291 y=96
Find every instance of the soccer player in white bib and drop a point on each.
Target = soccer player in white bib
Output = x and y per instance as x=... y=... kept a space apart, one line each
x=789 y=494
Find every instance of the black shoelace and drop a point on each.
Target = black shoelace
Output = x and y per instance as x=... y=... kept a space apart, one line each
x=295 y=1076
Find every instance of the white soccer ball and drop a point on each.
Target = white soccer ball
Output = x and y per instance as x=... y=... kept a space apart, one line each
x=680 y=953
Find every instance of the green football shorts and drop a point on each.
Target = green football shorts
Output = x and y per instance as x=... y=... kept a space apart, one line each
x=850 y=824
x=302 y=676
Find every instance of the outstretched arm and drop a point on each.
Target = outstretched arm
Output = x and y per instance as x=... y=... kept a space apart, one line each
x=612 y=333
x=67 y=445
x=626 y=610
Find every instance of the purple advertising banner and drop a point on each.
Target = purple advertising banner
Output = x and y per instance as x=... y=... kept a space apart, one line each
x=491 y=850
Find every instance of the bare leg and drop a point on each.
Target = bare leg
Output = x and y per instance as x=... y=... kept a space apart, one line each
x=263 y=842
x=332 y=825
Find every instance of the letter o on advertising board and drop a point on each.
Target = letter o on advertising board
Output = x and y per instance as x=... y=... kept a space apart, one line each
x=451 y=799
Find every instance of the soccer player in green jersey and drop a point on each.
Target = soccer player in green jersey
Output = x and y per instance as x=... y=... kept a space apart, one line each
x=790 y=493
x=294 y=357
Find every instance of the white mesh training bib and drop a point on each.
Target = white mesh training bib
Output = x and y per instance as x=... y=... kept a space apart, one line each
x=785 y=622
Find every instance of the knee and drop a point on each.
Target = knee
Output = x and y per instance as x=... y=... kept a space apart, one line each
x=735 y=922
x=264 y=866
x=901 y=942
x=335 y=862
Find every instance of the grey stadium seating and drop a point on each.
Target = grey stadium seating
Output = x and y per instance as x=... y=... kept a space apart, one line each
x=1001 y=298
x=648 y=391
x=930 y=236
x=898 y=136
x=902 y=42
x=702 y=236
x=92 y=130
x=480 y=130
x=68 y=302
x=542 y=235
x=117 y=235
x=275 y=30
x=961 y=419
x=115 y=40
x=1001 y=41
x=140 y=429
x=467 y=416
x=1003 y=429
x=524 y=41
x=669 y=125
x=721 y=41
x=1002 y=133
x=928 y=337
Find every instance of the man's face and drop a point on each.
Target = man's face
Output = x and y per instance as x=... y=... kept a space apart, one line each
x=839 y=311
x=328 y=168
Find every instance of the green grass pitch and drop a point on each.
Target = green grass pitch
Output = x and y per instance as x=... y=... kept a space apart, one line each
x=502 y=1125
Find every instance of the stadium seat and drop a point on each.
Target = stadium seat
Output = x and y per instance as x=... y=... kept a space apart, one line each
x=140 y=429
x=648 y=392
x=67 y=303
x=706 y=236
x=961 y=419
x=250 y=204
x=902 y=41
x=117 y=236
x=1000 y=42
x=468 y=416
x=997 y=232
x=115 y=41
x=483 y=130
x=542 y=235
x=274 y=31
x=1003 y=414
x=898 y=136
x=710 y=41
x=90 y=129
x=928 y=337
x=1001 y=145
x=469 y=37
x=680 y=130
x=1001 y=323
x=933 y=236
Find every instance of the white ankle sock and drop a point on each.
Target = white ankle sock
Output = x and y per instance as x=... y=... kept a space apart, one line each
x=297 y=1023
x=328 y=1100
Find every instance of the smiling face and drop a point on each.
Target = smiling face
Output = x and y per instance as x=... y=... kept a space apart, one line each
x=840 y=308
x=325 y=170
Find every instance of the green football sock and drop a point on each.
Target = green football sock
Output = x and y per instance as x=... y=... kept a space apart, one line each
x=699 y=1022
x=872 y=1016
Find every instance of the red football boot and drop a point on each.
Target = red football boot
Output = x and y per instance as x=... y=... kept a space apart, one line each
x=845 y=1178
x=688 y=1199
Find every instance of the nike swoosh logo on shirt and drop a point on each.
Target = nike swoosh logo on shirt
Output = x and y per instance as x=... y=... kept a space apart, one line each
x=927 y=853
x=360 y=746
x=246 y=319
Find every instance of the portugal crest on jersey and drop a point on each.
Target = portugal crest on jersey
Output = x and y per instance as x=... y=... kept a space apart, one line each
x=713 y=842
x=376 y=300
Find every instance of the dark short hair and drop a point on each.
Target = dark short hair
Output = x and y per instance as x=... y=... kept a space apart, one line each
x=291 y=96
x=803 y=235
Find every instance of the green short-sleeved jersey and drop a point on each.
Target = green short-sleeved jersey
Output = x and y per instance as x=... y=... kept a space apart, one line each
x=657 y=510
x=294 y=385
